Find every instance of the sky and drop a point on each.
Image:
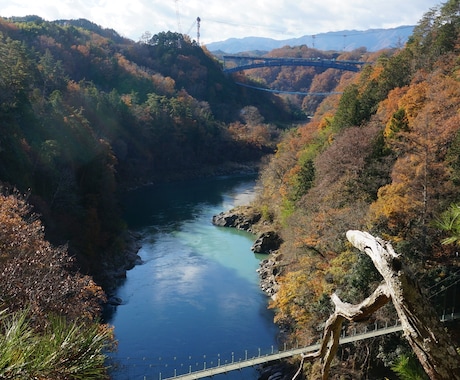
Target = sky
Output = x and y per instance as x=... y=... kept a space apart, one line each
x=220 y=19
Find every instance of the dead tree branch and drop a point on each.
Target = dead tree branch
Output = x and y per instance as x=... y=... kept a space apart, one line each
x=419 y=320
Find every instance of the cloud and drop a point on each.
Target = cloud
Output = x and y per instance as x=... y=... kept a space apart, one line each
x=221 y=20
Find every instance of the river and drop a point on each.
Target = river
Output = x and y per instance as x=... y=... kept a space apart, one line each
x=195 y=300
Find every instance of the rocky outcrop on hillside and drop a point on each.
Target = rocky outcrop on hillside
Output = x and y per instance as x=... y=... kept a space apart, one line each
x=267 y=242
x=248 y=219
x=268 y=271
x=115 y=267
x=280 y=370
x=242 y=218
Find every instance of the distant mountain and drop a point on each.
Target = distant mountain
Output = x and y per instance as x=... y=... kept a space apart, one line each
x=371 y=39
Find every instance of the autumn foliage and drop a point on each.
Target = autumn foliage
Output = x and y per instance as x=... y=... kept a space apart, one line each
x=37 y=276
x=49 y=312
x=86 y=114
x=382 y=157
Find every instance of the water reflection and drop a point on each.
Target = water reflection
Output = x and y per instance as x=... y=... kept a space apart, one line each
x=197 y=293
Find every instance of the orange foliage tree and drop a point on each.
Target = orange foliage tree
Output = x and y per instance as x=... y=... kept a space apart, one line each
x=36 y=275
x=420 y=132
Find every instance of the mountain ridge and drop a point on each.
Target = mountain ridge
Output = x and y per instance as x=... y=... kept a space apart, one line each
x=345 y=40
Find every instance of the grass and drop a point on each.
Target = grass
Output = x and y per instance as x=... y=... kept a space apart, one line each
x=63 y=350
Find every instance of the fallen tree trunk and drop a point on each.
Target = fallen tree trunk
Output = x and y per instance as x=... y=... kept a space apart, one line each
x=420 y=322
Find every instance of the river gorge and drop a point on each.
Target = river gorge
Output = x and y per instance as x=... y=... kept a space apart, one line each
x=195 y=299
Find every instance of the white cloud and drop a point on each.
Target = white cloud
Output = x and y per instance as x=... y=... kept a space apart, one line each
x=221 y=20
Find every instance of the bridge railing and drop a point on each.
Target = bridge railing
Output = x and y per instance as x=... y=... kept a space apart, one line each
x=348 y=335
x=207 y=365
x=198 y=367
x=241 y=63
x=160 y=368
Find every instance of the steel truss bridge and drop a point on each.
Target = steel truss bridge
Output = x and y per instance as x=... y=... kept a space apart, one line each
x=235 y=63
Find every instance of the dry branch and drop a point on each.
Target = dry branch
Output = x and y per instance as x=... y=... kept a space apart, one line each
x=419 y=320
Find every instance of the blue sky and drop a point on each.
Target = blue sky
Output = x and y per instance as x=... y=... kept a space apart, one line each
x=220 y=20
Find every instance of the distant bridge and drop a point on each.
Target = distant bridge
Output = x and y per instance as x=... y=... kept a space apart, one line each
x=241 y=63
x=288 y=92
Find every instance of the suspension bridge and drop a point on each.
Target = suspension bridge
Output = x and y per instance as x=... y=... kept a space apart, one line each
x=235 y=63
x=208 y=366
x=219 y=368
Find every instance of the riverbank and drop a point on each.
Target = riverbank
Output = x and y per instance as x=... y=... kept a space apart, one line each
x=115 y=267
x=268 y=241
x=210 y=171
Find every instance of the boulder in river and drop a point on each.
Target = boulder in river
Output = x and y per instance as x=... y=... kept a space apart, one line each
x=114 y=301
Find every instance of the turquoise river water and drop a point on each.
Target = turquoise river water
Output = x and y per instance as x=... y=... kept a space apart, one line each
x=195 y=300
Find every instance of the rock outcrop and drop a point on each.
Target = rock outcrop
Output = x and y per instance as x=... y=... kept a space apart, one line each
x=267 y=242
x=279 y=370
x=241 y=218
x=115 y=268
x=246 y=218
x=268 y=271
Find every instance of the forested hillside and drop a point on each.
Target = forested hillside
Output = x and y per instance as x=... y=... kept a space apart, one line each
x=84 y=115
x=382 y=157
x=85 y=112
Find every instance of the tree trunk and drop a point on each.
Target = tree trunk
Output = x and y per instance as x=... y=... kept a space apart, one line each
x=333 y=327
x=420 y=322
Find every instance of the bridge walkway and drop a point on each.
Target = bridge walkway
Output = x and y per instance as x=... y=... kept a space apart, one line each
x=219 y=369
x=260 y=359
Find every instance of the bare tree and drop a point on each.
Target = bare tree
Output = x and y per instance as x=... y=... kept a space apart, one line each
x=419 y=320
